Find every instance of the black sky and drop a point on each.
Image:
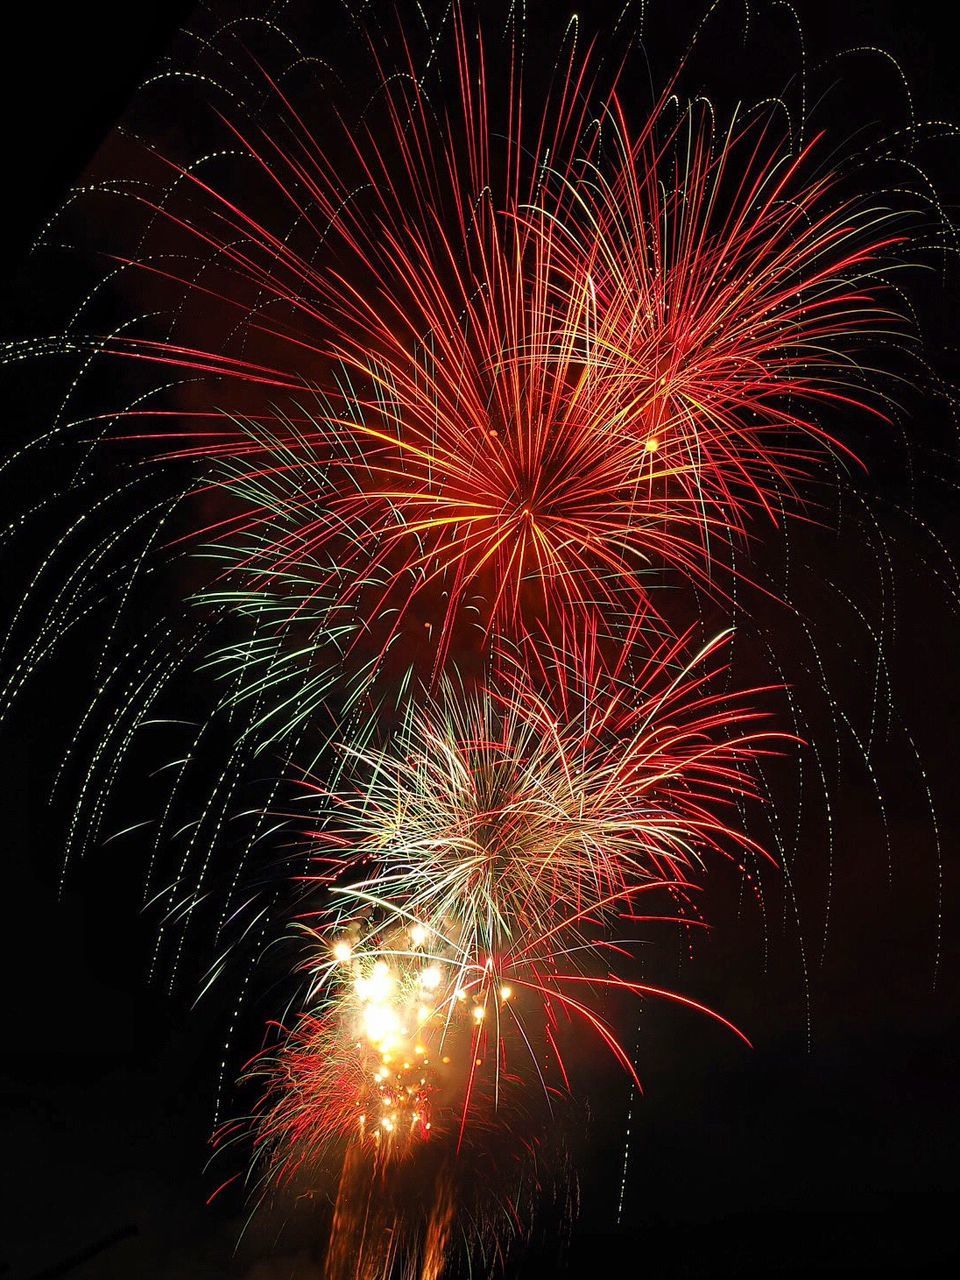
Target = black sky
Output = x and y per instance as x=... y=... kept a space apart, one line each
x=833 y=1153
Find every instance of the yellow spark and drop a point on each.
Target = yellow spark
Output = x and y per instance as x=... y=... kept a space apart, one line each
x=431 y=977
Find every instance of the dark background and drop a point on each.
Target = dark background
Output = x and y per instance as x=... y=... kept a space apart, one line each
x=828 y=1153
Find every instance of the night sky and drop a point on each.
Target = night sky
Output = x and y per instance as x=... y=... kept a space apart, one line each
x=825 y=1150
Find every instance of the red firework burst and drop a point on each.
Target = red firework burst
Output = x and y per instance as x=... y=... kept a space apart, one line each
x=553 y=369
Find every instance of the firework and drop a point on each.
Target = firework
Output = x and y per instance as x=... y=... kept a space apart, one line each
x=489 y=871
x=547 y=364
x=475 y=382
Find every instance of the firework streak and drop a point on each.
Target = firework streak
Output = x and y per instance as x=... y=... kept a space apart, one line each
x=525 y=362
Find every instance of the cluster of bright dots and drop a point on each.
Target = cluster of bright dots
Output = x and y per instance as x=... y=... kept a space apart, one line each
x=400 y=1002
